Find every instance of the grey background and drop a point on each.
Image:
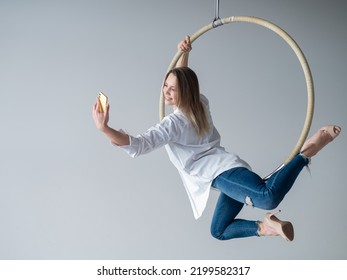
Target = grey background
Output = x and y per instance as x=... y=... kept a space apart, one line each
x=66 y=193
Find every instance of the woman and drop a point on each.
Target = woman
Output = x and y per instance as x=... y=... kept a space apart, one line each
x=193 y=145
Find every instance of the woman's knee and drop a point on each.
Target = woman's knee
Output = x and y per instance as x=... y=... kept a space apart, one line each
x=268 y=204
x=217 y=234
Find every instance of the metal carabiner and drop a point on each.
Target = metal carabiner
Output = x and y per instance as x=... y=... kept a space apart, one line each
x=217 y=20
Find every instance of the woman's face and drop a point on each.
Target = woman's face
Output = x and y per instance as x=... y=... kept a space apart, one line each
x=170 y=90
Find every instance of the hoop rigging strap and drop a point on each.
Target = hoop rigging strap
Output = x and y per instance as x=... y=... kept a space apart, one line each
x=287 y=38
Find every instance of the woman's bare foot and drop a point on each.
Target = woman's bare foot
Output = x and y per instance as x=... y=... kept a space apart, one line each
x=319 y=140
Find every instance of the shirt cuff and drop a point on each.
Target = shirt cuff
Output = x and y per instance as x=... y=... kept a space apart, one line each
x=130 y=149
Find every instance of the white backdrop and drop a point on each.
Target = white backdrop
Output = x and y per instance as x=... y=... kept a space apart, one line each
x=66 y=193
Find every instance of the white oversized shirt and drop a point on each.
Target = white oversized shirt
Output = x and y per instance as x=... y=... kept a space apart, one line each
x=198 y=159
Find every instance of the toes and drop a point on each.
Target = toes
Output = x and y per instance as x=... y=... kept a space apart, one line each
x=337 y=129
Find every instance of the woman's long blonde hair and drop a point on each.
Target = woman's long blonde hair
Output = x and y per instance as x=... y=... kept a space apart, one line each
x=188 y=98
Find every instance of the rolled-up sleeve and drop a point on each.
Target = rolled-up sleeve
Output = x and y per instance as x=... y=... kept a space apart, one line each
x=157 y=136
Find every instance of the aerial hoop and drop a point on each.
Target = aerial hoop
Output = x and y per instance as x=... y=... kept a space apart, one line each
x=286 y=37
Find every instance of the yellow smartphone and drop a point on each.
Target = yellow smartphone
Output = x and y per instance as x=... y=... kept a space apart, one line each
x=103 y=101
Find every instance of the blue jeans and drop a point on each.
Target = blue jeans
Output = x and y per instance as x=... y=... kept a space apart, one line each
x=240 y=186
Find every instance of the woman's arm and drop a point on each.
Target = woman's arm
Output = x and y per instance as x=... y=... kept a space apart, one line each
x=185 y=47
x=101 y=121
x=120 y=138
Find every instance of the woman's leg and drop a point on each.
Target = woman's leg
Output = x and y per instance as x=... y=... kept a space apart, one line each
x=247 y=187
x=224 y=226
x=279 y=184
x=241 y=186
